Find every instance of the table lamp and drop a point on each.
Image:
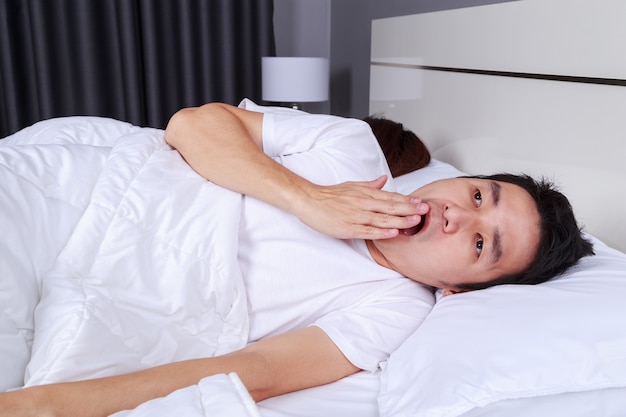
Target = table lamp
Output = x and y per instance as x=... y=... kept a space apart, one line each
x=295 y=80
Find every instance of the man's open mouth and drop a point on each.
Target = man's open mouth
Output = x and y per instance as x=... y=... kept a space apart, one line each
x=415 y=229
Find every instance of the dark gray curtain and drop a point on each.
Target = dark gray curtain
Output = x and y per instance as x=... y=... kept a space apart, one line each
x=133 y=60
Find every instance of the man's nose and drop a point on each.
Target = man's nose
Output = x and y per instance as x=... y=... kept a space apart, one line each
x=456 y=218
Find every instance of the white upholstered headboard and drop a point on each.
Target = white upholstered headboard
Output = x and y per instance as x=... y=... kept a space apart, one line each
x=533 y=86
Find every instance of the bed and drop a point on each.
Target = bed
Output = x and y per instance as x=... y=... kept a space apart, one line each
x=494 y=97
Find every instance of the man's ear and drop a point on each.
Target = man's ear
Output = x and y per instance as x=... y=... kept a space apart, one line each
x=448 y=291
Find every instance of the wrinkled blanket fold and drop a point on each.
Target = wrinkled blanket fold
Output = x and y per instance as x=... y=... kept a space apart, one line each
x=145 y=270
x=218 y=396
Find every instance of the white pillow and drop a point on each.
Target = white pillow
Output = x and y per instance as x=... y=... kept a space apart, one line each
x=435 y=170
x=518 y=342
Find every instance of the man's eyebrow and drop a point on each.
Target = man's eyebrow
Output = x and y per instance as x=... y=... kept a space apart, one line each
x=495 y=192
x=496 y=246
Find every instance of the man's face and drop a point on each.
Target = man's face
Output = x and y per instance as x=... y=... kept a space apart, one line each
x=476 y=230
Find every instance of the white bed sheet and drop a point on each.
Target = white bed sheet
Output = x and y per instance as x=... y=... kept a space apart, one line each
x=355 y=395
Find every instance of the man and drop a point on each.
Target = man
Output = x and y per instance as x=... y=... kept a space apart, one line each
x=449 y=234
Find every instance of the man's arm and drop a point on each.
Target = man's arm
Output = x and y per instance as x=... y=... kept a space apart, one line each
x=224 y=144
x=276 y=365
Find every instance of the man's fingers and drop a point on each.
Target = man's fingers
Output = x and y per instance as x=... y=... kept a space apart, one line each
x=378 y=182
x=386 y=221
x=373 y=233
x=403 y=208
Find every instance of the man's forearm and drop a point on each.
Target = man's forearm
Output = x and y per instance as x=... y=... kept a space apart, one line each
x=277 y=365
x=104 y=396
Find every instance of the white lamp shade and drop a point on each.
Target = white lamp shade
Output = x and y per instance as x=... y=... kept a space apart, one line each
x=295 y=79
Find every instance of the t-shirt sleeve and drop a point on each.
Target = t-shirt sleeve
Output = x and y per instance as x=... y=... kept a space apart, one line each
x=324 y=149
x=367 y=334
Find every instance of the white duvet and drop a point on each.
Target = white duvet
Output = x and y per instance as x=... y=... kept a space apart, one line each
x=116 y=256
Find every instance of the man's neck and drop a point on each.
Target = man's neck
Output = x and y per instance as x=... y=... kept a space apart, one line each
x=377 y=255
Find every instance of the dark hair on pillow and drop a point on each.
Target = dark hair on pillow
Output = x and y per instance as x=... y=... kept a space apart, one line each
x=404 y=151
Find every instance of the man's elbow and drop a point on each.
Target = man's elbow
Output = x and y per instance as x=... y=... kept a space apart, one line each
x=176 y=126
x=186 y=123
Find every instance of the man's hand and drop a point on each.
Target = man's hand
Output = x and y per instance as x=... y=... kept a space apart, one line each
x=358 y=210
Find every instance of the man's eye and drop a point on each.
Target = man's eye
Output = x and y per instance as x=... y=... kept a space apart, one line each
x=478 y=198
x=479 y=245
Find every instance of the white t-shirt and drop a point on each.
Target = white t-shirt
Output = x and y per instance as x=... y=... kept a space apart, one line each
x=296 y=276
